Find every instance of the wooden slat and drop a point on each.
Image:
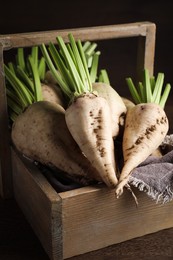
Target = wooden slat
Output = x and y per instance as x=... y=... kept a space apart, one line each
x=88 y=33
x=146 y=51
x=40 y=204
x=93 y=218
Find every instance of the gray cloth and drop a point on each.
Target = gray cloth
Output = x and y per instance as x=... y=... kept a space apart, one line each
x=155 y=175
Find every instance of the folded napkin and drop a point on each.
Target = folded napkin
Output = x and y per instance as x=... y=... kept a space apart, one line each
x=155 y=175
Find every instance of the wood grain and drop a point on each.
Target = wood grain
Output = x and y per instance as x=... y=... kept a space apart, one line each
x=93 y=218
x=19 y=242
x=88 y=33
x=40 y=204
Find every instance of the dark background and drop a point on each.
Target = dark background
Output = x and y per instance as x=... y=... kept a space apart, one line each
x=17 y=240
x=118 y=56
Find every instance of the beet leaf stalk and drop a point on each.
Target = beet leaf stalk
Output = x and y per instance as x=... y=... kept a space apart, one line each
x=146 y=124
x=23 y=81
x=150 y=89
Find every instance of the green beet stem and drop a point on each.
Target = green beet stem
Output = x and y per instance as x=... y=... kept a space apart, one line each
x=54 y=71
x=18 y=86
x=152 y=83
x=91 y=49
x=62 y=68
x=158 y=88
x=87 y=76
x=86 y=45
x=142 y=93
x=21 y=59
x=103 y=77
x=34 y=54
x=147 y=86
x=42 y=69
x=165 y=95
x=133 y=91
x=71 y=66
x=26 y=80
x=94 y=67
x=79 y=63
x=14 y=105
x=150 y=90
x=35 y=76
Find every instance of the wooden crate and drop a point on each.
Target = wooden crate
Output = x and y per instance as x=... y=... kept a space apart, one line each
x=85 y=219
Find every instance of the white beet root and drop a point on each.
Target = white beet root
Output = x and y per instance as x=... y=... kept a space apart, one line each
x=115 y=102
x=41 y=134
x=89 y=121
x=52 y=93
x=146 y=126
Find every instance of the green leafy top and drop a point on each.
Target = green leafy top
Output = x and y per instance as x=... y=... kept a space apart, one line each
x=149 y=89
x=23 y=81
x=74 y=67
